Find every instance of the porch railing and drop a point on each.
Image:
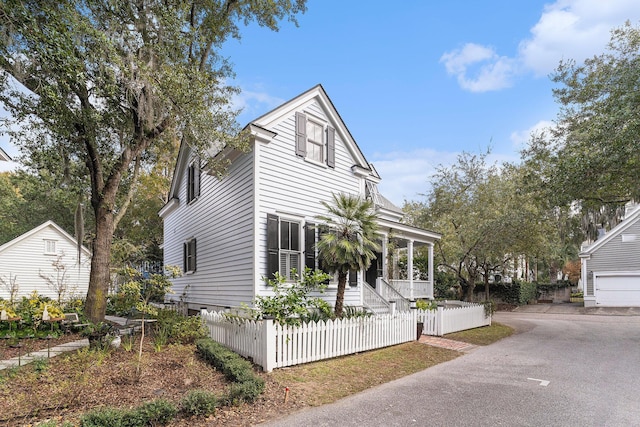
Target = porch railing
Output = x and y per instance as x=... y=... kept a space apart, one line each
x=373 y=300
x=421 y=288
x=387 y=292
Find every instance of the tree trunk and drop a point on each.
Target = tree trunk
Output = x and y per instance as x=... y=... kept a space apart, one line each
x=342 y=284
x=469 y=297
x=486 y=287
x=96 y=303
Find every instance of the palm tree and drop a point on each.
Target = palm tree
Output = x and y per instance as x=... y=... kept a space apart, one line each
x=348 y=241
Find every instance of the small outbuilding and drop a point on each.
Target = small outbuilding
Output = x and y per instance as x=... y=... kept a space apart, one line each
x=44 y=259
x=611 y=266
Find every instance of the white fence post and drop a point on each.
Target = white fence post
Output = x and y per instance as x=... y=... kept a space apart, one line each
x=392 y=306
x=268 y=344
x=440 y=321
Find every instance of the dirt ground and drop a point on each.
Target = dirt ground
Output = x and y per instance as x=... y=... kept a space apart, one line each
x=64 y=387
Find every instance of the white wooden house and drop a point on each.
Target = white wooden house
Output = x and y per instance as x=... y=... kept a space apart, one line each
x=44 y=259
x=611 y=266
x=229 y=234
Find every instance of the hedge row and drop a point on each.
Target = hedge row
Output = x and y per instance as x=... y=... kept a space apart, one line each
x=246 y=385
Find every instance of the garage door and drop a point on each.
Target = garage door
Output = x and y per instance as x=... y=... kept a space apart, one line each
x=618 y=290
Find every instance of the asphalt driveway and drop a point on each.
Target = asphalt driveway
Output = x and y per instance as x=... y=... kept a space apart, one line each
x=559 y=370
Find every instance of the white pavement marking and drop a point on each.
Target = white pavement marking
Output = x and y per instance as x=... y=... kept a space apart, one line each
x=543 y=383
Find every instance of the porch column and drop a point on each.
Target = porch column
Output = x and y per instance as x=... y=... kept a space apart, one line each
x=430 y=247
x=410 y=267
x=385 y=268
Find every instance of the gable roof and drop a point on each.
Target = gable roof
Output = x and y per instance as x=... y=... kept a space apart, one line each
x=39 y=228
x=318 y=94
x=4 y=156
x=259 y=131
x=631 y=219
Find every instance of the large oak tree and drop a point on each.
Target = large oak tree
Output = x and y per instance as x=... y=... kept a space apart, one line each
x=96 y=83
x=590 y=158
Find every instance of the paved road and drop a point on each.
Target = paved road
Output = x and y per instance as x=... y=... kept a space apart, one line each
x=559 y=370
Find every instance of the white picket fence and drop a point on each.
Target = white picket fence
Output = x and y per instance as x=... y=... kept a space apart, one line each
x=272 y=345
x=446 y=320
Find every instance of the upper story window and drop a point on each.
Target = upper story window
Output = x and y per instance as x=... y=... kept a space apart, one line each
x=193 y=181
x=315 y=141
x=49 y=247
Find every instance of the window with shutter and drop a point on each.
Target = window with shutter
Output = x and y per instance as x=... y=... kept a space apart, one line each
x=315 y=140
x=193 y=181
x=283 y=247
x=189 y=256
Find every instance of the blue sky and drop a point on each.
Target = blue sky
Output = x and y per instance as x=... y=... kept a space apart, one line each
x=417 y=82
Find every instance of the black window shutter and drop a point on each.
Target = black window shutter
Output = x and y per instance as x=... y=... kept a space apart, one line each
x=193 y=255
x=309 y=245
x=196 y=178
x=331 y=147
x=184 y=257
x=353 y=278
x=190 y=183
x=272 y=245
x=301 y=134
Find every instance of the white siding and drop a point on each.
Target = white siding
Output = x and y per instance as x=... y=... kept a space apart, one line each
x=25 y=260
x=221 y=221
x=288 y=184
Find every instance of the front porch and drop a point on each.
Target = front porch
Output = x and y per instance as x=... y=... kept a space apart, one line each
x=392 y=278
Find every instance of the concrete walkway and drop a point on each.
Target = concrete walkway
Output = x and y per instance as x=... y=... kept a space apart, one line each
x=54 y=351
x=446 y=343
x=577 y=308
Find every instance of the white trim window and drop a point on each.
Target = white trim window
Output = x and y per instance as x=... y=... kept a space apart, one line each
x=284 y=247
x=49 y=247
x=189 y=256
x=315 y=141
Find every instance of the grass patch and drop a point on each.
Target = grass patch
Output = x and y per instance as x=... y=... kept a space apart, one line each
x=326 y=381
x=482 y=336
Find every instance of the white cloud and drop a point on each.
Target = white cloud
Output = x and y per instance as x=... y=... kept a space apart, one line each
x=255 y=102
x=567 y=29
x=492 y=72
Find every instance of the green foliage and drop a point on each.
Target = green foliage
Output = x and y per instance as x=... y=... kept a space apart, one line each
x=445 y=285
x=181 y=329
x=489 y=308
x=351 y=312
x=426 y=305
x=484 y=216
x=517 y=292
x=155 y=413
x=103 y=88
x=348 y=240
x=291 y=303
x=247 y=386
x=591 y=154
x=199 y=403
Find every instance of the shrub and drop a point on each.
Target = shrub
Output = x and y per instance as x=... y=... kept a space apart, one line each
x=247 y=386
x=188 y=330
x=157 y=412
x=199 y=403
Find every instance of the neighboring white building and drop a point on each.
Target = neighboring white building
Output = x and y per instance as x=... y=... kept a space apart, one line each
x=611 y=266
x=42 y=259
x=228 y=234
